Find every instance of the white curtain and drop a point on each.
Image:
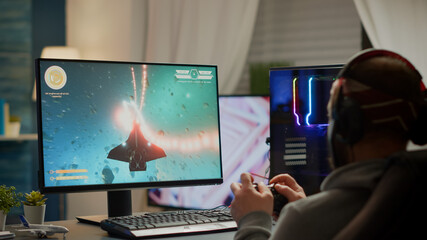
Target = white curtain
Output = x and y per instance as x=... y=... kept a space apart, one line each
x=204 y=32
x=107 y=29
x=400 y=26
x=186 y=31
x=397 y=25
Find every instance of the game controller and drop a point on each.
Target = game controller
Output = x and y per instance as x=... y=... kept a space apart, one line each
x=279 y=200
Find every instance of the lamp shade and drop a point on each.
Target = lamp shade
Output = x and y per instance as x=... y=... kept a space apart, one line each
x=62 y=52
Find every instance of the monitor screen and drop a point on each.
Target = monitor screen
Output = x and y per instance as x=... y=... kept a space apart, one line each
x=299 y=121
x=118 y=125
x=245 y=125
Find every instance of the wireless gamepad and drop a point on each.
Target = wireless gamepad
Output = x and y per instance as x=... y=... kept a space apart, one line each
x=279 y=200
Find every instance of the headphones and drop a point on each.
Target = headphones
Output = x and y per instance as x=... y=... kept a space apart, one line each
x=347 y=116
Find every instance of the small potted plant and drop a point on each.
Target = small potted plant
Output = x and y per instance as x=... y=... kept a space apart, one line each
x=9 y=198
x=34 y=207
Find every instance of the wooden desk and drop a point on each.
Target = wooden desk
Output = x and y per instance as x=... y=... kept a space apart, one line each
x=82 y=231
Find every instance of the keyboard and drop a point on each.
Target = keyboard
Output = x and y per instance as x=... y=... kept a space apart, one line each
x=170 y=223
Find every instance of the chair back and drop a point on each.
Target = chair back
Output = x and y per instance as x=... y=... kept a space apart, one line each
x=397 y=207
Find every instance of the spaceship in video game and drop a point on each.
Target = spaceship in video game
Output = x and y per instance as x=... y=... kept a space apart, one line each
x=136 y=150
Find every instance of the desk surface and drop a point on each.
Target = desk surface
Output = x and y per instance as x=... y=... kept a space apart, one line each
x=88 y=231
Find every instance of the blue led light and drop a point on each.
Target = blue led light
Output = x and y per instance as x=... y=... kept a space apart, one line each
x=309 y=101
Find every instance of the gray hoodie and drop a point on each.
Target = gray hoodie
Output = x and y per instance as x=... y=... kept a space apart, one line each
x=319 y=216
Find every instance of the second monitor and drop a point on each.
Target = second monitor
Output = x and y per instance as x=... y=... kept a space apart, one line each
x=245 y=125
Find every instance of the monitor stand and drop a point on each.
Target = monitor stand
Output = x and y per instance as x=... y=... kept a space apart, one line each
x=119 y=204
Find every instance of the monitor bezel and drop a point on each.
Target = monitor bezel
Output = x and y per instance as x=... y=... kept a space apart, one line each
x=307 y=67
x=118 y=186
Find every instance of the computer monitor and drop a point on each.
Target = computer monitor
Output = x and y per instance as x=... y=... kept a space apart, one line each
x=245 y=126
x=114 y=126
x=299 y=121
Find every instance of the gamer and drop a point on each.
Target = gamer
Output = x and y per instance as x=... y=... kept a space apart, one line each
x=377 y=105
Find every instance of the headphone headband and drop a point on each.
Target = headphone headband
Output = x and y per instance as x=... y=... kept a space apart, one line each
x=371 y=53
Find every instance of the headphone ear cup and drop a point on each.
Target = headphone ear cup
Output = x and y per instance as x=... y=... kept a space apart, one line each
x=418 y=132
x=348 y=122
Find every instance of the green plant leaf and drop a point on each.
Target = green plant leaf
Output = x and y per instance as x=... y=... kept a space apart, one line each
x=9 y=198
x=34 y=198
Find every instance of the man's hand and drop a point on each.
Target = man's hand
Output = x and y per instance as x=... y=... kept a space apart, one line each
x=288 y=187
x=247 y=199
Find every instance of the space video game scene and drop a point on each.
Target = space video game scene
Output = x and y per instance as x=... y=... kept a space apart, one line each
x=114 y=122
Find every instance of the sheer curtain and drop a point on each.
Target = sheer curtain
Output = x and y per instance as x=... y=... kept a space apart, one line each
x=400 y=26
x=107 y=29
x=188 y=31
x=397 y=25
x=204 y=32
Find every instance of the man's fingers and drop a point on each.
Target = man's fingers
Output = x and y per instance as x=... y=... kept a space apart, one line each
x=262 y=188
x=286 y=179
x=287 y=186
x=246 y=180
x=289 y=193
x=235 y=186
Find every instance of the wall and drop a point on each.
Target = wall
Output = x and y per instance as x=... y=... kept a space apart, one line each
x=25 y=27
x=303 y=32
x=48 y=29
x=16 y=59
x=307 y=32
x=16 y=158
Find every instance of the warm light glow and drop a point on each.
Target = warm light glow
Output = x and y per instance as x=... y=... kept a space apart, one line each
x=144 y=86
x=124 y=117
x=134 y=84
x=61 y=52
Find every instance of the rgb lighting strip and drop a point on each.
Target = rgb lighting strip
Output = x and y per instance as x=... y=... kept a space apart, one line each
x=295 y=101
x=295 y=98
x=309 y=101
